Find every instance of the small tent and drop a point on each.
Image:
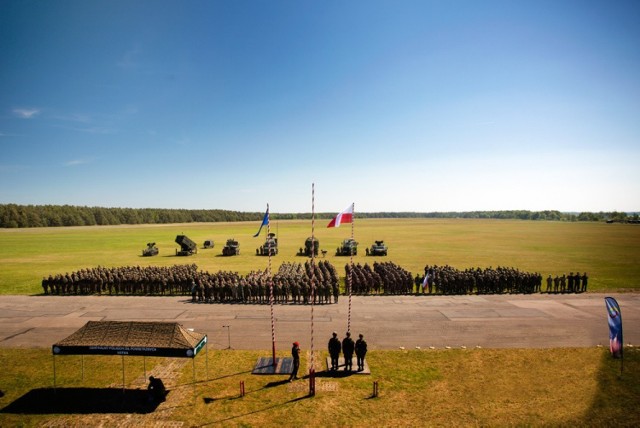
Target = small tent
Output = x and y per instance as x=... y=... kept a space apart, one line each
x=131 y=338
x=149 y=339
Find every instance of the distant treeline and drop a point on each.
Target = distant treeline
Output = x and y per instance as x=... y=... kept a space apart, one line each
x=18 y=216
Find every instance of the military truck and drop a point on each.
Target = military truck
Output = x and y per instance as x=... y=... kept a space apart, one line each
x=187 y=246
x=270 y=246
x=208 y=243
x=349 y=246
x=151 y=250
x=232 y=248
x=377 y=249
x=307 y=247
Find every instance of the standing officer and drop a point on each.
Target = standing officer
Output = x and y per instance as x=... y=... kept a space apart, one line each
x=334 y=350
x=347 y=350
x=295 y=353
x=361 y=351
x=584 y=282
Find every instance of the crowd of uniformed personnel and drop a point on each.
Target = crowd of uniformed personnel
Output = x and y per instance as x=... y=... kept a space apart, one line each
x=384 y=278
x=292 y=283
x=447 y=280
x=123 y=280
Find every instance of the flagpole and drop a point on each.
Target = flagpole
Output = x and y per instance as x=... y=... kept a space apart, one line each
x=270 y=279
x=350 y=280
x=312 y=369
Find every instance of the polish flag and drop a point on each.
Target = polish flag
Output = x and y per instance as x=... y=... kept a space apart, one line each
x=346 y=216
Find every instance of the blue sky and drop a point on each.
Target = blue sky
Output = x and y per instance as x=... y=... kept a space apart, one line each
x=394 y=105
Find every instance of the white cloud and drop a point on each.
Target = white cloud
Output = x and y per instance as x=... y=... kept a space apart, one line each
x=76 y=162
x=26 y=113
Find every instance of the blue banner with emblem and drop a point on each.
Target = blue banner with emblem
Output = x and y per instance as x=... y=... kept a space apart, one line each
x=615 y=327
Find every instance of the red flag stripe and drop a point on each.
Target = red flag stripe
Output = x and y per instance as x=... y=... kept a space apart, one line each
x=345 y=216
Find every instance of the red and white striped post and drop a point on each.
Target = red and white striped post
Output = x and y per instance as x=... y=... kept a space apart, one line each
x=270 y=279
x=349 y=278
x=312 y=369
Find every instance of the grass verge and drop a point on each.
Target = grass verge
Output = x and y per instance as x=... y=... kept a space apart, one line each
x=416 y=388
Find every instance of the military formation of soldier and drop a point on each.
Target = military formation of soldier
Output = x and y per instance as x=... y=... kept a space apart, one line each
x=384 y=278
x=292 y=283
x=123 y=280
x=448 y=280
x=303 y=283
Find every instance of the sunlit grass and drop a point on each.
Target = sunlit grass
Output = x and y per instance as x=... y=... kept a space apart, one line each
x=607 y=252
x=486 y=387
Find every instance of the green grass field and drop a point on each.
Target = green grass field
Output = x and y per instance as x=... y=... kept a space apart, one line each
x=474 y=387
x=495 y=387
x=607 y=252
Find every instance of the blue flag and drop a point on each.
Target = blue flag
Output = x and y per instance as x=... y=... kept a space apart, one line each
x=265 y=221
x=615 y=327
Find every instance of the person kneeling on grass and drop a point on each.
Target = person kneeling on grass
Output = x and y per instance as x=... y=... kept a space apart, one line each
x=157 y=391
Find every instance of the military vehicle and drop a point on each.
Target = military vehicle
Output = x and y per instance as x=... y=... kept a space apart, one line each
x=270 y=246
x=151 y=250
x=377 y=249
x=349 y=246
x=187 y=246
x=307 y=247
x=208 y=243
x=232 y=248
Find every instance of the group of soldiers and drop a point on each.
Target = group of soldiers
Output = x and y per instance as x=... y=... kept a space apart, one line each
x=572 y=283
x=292 y=283
x=389 y=278
x=304 y=283
x=347 y=347
x=123 y=280
x=448 y=280
x=384 y=278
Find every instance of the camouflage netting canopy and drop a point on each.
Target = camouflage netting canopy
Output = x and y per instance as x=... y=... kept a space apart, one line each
x=150 y=339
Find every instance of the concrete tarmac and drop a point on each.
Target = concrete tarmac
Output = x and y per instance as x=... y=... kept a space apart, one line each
x=388 y=322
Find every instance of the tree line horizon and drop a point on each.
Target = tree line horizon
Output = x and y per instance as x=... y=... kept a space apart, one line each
x=27 y=216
